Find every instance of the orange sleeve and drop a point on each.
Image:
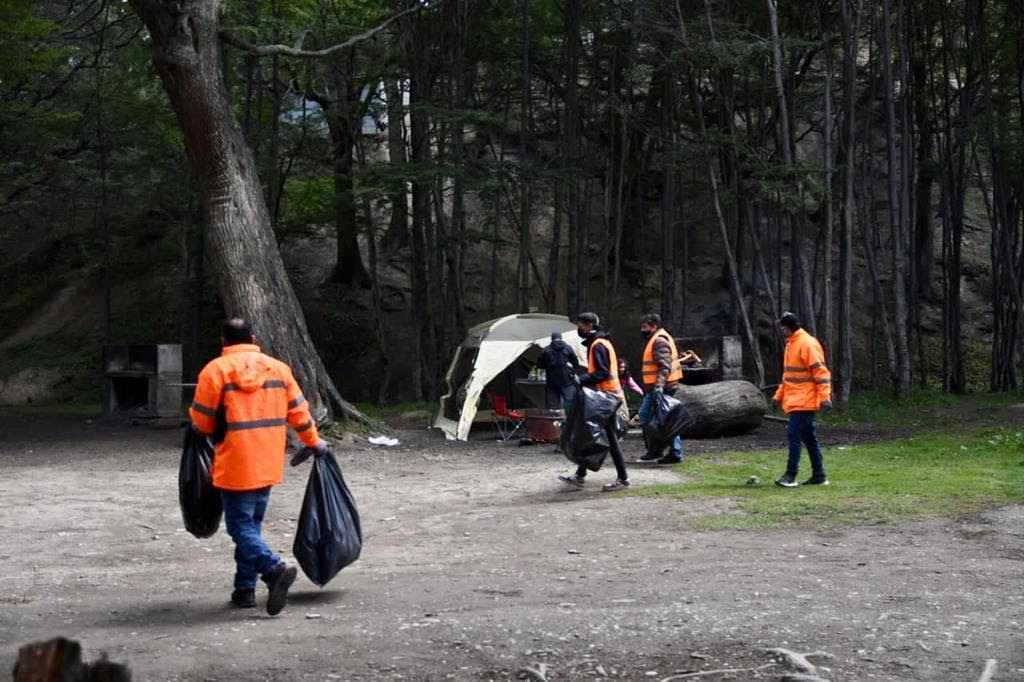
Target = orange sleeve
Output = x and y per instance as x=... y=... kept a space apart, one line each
x=299 y=417
x=203 y=410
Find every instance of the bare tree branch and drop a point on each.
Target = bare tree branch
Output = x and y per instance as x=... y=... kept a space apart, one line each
x=267 y=50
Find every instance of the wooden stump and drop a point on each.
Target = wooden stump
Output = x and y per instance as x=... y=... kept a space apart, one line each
x=60 y=660
x=722 y=408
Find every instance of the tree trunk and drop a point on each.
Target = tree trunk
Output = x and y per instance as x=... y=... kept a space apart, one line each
x=383 y=396
x=398 y=229
x=525 y=181
x=851 y=34
x=899 y=292
x=241 y=242
x=573 y=18
x=348 y=268
x=551 y=302
x=924 y=240
x=422 y=302
x=827 y=322
x=668 y=204
x=722 y=408
x=800 y=296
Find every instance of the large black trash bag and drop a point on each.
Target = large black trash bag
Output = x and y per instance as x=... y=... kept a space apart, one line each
x=329 y=536
x=668 y=417
x=201 y=505
x=584 y=438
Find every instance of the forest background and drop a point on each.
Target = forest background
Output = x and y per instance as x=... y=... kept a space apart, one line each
x=371 y=179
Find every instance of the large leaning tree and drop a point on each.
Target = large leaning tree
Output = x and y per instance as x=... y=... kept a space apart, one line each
x=239 y=236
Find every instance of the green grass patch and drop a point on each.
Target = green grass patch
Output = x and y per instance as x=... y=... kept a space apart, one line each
x=86 y=410
x=391 y=413
x=926 y=475
x=923 y=407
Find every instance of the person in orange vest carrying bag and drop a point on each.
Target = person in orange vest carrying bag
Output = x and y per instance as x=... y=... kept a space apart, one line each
x=602 y=375
x=245 y=400
x=662 y=372
x=806 y=388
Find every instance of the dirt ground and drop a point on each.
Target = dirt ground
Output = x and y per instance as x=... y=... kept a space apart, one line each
x=477 y=564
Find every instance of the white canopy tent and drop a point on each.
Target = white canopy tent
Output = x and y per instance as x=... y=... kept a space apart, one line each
x=488 y=350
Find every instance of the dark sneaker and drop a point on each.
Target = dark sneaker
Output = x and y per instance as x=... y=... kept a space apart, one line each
x=244 y=598
x=573 y=479
x=619 y=484
x=816 y=480
x=670 y=459
x=649 y=456
x=279 y=581
x=787 y=481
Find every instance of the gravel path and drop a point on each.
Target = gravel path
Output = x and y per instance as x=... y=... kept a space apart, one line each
x=478 y=564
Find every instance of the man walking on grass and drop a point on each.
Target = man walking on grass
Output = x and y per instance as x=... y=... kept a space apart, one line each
x=248 y=399
x=806 y=388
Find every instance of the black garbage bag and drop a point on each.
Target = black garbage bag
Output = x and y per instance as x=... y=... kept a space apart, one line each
x=201 y=505
x=668 y=417
x=329 y=536
x=584 y=438
x=620 y=425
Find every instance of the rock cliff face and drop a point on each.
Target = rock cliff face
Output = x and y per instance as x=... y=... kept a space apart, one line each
x=152 y=306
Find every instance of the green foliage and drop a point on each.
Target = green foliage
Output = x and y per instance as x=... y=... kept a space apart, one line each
x=921 y=408
x=310 y=202
x=930 y=474
x=977 y=361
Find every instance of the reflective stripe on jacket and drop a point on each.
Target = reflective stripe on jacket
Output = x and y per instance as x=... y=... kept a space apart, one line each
x=657 y=369
x=806 y=381
x=258 y=396
x=611 y=384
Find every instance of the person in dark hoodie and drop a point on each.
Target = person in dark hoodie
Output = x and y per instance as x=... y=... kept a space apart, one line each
x=602 y=375
x=559 y=363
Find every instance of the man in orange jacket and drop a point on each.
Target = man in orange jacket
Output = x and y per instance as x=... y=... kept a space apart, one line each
x=806 y=388
x=245 y=399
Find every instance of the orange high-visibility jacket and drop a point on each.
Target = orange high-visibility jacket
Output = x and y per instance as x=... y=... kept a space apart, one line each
x=651 y=370
x=259 y=396
x=806 y=381
x=611 y=384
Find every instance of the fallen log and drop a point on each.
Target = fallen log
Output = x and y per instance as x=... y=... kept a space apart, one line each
x=722 y=408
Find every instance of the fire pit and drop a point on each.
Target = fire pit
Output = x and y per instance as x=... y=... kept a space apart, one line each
x=142 y=380
x=543 y=426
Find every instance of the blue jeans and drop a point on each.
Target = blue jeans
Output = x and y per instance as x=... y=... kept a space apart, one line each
x=801 y=430
x=645 y=415
x=243 y=518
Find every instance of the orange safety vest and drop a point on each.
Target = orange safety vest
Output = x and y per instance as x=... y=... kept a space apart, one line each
x=257 y=397
x=611 y=384
x=650 y=367
x=806 y=381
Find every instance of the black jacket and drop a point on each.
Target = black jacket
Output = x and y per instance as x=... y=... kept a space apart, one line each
x=602 y=363
x=555 y=360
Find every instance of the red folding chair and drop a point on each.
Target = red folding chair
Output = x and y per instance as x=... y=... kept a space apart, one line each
x=507 y=422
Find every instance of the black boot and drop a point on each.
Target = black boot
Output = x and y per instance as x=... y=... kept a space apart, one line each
x=244 y=598
x=279 y=581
